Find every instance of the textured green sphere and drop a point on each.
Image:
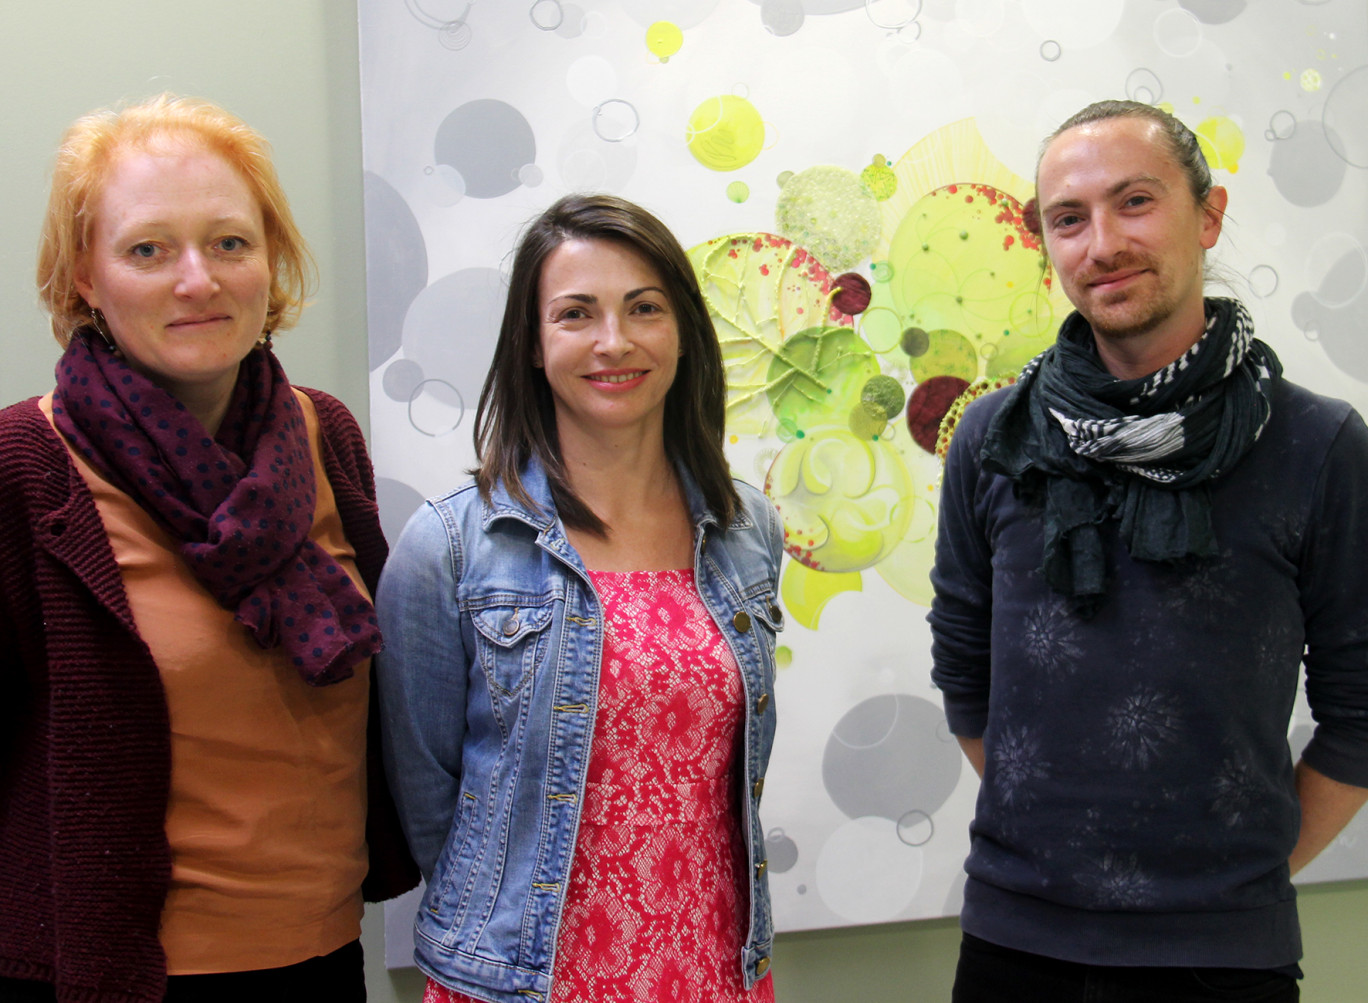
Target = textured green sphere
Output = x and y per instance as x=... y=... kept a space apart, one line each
x=885 y=394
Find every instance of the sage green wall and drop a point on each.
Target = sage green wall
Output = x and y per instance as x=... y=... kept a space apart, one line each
x=290 y=68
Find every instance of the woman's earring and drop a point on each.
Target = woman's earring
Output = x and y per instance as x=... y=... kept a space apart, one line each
x=97 y=321
x=265 y=340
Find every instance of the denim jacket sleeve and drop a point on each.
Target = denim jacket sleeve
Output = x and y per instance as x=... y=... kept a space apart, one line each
x=422 y=674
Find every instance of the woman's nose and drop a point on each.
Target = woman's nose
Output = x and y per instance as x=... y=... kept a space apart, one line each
x=612 y=338
x=195 y=276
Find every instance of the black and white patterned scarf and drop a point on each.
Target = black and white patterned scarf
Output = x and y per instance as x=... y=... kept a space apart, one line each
x=1087 y=447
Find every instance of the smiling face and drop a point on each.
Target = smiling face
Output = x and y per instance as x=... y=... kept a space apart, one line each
x=609 y=339
x=178 y=266
x=1126 y=238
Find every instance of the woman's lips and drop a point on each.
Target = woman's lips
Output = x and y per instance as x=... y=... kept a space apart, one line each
x=616 y=378
x=195 y=321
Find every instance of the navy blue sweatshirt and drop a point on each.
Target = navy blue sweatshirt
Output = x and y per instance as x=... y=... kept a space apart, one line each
x=1138 y=805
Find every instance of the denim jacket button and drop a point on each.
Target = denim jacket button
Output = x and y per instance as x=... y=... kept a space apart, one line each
x=758 y=787
x=761 y=703
x=775 y=614
x=761 y=967
x=741 y=621
x=511 y=625
x=761 y=868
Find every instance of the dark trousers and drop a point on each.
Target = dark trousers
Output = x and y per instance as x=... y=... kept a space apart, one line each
x=339 y=977
x=988 y=973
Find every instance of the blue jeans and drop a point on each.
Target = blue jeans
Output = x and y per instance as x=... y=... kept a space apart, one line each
x=988 y=973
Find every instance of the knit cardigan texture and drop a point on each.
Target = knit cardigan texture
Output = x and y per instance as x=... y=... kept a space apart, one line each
x=85 y=763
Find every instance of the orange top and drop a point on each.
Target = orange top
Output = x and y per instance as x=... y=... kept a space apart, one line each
x=267 y=812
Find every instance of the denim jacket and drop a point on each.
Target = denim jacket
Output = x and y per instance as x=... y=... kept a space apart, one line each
x=489 y=685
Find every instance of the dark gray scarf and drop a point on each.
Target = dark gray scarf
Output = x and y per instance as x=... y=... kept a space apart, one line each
x=1086 y=447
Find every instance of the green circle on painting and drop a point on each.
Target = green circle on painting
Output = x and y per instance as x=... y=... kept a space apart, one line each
x=948 y=353
x=817 y=374
x=830 y=213
x=879 y=180
x=867 y=421
x=885 y=395
x=915 y=341
x=738 y=191
x=881 y=329
x=725 y=133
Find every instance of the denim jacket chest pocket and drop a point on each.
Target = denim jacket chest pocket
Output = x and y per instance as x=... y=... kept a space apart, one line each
x=511 y=636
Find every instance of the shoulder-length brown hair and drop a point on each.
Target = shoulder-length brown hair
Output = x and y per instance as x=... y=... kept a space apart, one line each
x=85 y=159
x=516 y=417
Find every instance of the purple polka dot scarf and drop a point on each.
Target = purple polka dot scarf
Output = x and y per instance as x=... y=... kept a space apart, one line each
x=241 y=503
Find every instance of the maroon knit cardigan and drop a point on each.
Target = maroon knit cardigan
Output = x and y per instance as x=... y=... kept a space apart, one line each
x=85 y=761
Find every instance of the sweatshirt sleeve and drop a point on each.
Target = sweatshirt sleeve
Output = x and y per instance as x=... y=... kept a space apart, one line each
x=1333 y=581
x=962 y=577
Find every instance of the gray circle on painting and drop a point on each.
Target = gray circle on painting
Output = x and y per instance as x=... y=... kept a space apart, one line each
x=1050 y=50
x=615 y=120
x=1282 y=125
x=547 y=14
x=451 y=328
x=1214 y=11
x=1263 y=281
x=916 y=828
x=782 y=17
x=1304 y=166
x=1346 y=109
x=436 y=408
x=1338 y=329
x=455 y=36
x=884 y=759
x=397 y=502
x=396 y=265
x=401 y=379
x=780 y=851
x=1143 y=85
x=488 y=142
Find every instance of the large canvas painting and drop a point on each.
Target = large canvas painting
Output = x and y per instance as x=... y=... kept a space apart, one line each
x=850 y=178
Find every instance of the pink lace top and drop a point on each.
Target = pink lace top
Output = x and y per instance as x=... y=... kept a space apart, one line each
x=657 y=907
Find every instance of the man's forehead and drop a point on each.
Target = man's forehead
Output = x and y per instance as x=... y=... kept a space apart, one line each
x=1116 y=149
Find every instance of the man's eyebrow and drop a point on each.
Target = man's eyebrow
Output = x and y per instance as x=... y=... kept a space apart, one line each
x=1113 y=191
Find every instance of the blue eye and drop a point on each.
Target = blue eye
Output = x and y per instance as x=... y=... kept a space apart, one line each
x=144 y=250
x=232 y=243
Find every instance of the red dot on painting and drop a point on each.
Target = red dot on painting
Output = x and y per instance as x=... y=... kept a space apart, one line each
x=853 y=295
x=927 y=406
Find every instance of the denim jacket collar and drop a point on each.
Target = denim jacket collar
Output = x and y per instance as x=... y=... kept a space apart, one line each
x=541 y=516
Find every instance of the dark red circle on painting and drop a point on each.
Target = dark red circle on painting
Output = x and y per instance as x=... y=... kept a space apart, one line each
x=853 y=296
x=927 y=406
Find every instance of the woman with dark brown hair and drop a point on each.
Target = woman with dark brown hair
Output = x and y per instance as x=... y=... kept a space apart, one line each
x=581 y=665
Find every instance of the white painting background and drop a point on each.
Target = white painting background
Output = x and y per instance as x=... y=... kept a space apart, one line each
x=476 y=115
